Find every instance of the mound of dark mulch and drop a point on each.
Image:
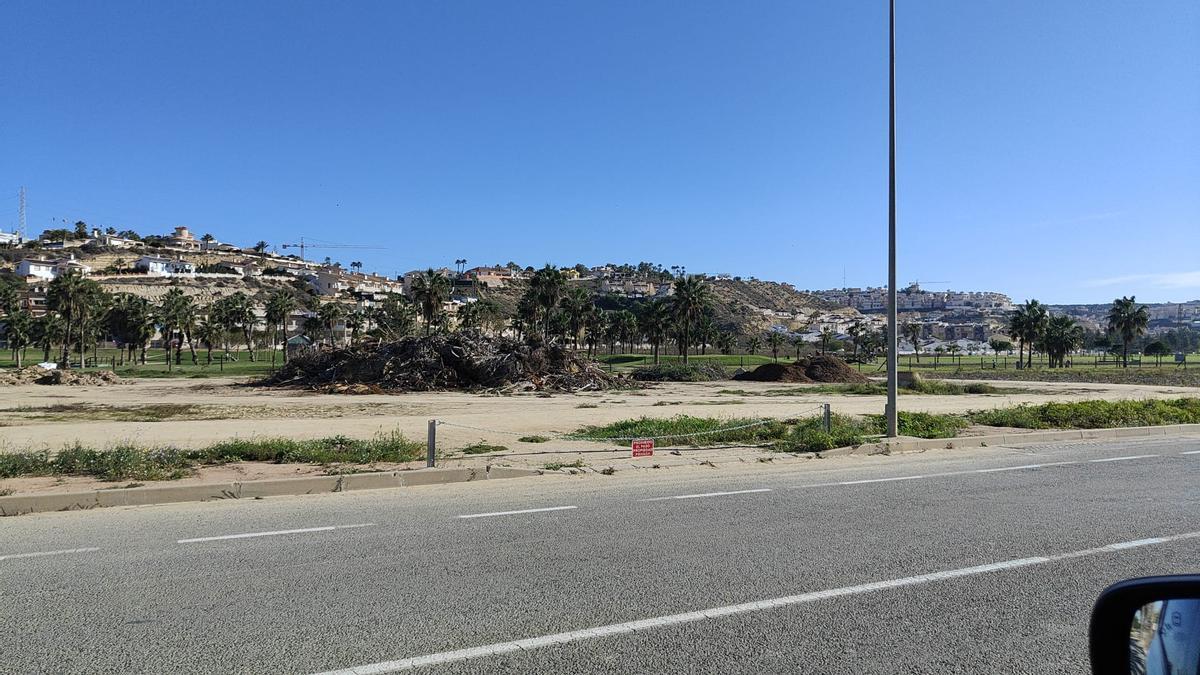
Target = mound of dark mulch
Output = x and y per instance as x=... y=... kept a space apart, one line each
x=775 y=372
x=464 y=360
x=822 y=368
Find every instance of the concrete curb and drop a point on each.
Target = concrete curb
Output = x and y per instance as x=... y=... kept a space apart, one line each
x=904 y=445
x=15 y=505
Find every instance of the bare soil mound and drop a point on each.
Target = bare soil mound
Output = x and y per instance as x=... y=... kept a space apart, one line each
x=469 y=361
x=39 y=375
x=822 y=368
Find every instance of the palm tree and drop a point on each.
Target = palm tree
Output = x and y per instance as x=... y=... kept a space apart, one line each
x=68 y=294
x=827 y=338
x=279 y=307
x=48 y=330
x=209 y=333
x=627 y=328
x=577 y=304
x=1062 y=337
x=176 y=313
x=261 y=247
x=547 y=287
x=856 y=331
x=725 y=342
x=692 y=297
x=912 y=331
x=1127 y=319
x=238 y=312
x=798 y=342
x=430 y=289
x=775 y=341
x=330 y=314
x=752 y=344
x=594 y=331
x=655 y=320
x=131 y=321
x=394 y=318
x=1026 y=324
x=18 y=330
x=706 y=332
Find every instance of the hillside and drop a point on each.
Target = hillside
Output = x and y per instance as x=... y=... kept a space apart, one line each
x=744 y=306
x=751 y=306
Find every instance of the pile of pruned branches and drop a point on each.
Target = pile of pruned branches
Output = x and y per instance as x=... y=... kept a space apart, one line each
x=466 y=360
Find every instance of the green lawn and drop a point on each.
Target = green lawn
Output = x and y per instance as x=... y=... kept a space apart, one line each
x=621 y=362
x=928 y=362
x=239 y=365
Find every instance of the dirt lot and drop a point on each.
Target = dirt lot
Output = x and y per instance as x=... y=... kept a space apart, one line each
x=193 y=414
x=188 y=413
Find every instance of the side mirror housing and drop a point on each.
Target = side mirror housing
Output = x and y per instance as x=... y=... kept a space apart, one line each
x=1147 y=626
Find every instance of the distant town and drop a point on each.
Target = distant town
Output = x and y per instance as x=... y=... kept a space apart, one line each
x=206 y=269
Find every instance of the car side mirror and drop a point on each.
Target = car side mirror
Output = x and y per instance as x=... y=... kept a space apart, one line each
x=1147 y=626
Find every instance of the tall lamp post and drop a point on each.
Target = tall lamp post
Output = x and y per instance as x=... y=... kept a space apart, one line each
x=892 y=357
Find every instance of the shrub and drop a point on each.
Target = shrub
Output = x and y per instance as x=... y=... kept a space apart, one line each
x=809 y=435
x=921 y=425
x=1093 y=414
x=481 y=448
x=687 y=430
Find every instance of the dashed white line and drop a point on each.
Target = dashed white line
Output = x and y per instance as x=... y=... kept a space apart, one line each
x=1023 y=466
x=40 y=554
x=706 y=494
x=1191 y=452
x=744 y=608
x=1120 y=459
x=513 y=513
x=273 y=533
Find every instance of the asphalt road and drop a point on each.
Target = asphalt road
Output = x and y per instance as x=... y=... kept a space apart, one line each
x=985 y=560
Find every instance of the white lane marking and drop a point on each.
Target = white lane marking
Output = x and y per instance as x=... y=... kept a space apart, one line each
x=715 y=612
x=1023 y=466
x=513 y=513
x=39 y=554
x=1191 y=452
x=881 y=480
x=706 y=494
x=247 y=535
x=1121 y=459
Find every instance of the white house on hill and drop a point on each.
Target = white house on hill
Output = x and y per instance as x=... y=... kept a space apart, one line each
x=164 y=267
x=49 y=269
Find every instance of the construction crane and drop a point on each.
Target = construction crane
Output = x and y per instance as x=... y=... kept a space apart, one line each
x=302 y=245
x=917 y=284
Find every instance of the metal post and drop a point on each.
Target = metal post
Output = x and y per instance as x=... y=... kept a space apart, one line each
x=431 y=443
x=892 y=426
x=828 y=420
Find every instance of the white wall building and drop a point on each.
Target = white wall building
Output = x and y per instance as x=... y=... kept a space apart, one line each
x=164 y=267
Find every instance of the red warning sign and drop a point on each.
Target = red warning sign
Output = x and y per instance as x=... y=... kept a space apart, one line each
x=643 y=447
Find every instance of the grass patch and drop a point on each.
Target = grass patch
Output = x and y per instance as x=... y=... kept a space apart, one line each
x=921 y=386
x=482 y=448
x=679 y=430
x=533 y=439
x=587 y=405
x=1093 y=414
x=126 y=461
x=921 y=425
x=809 y=435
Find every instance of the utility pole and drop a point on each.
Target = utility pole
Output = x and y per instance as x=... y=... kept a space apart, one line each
x=892 y=369
x=21 y=210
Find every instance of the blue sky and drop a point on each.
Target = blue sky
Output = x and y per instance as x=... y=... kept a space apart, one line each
x=1046 y=149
